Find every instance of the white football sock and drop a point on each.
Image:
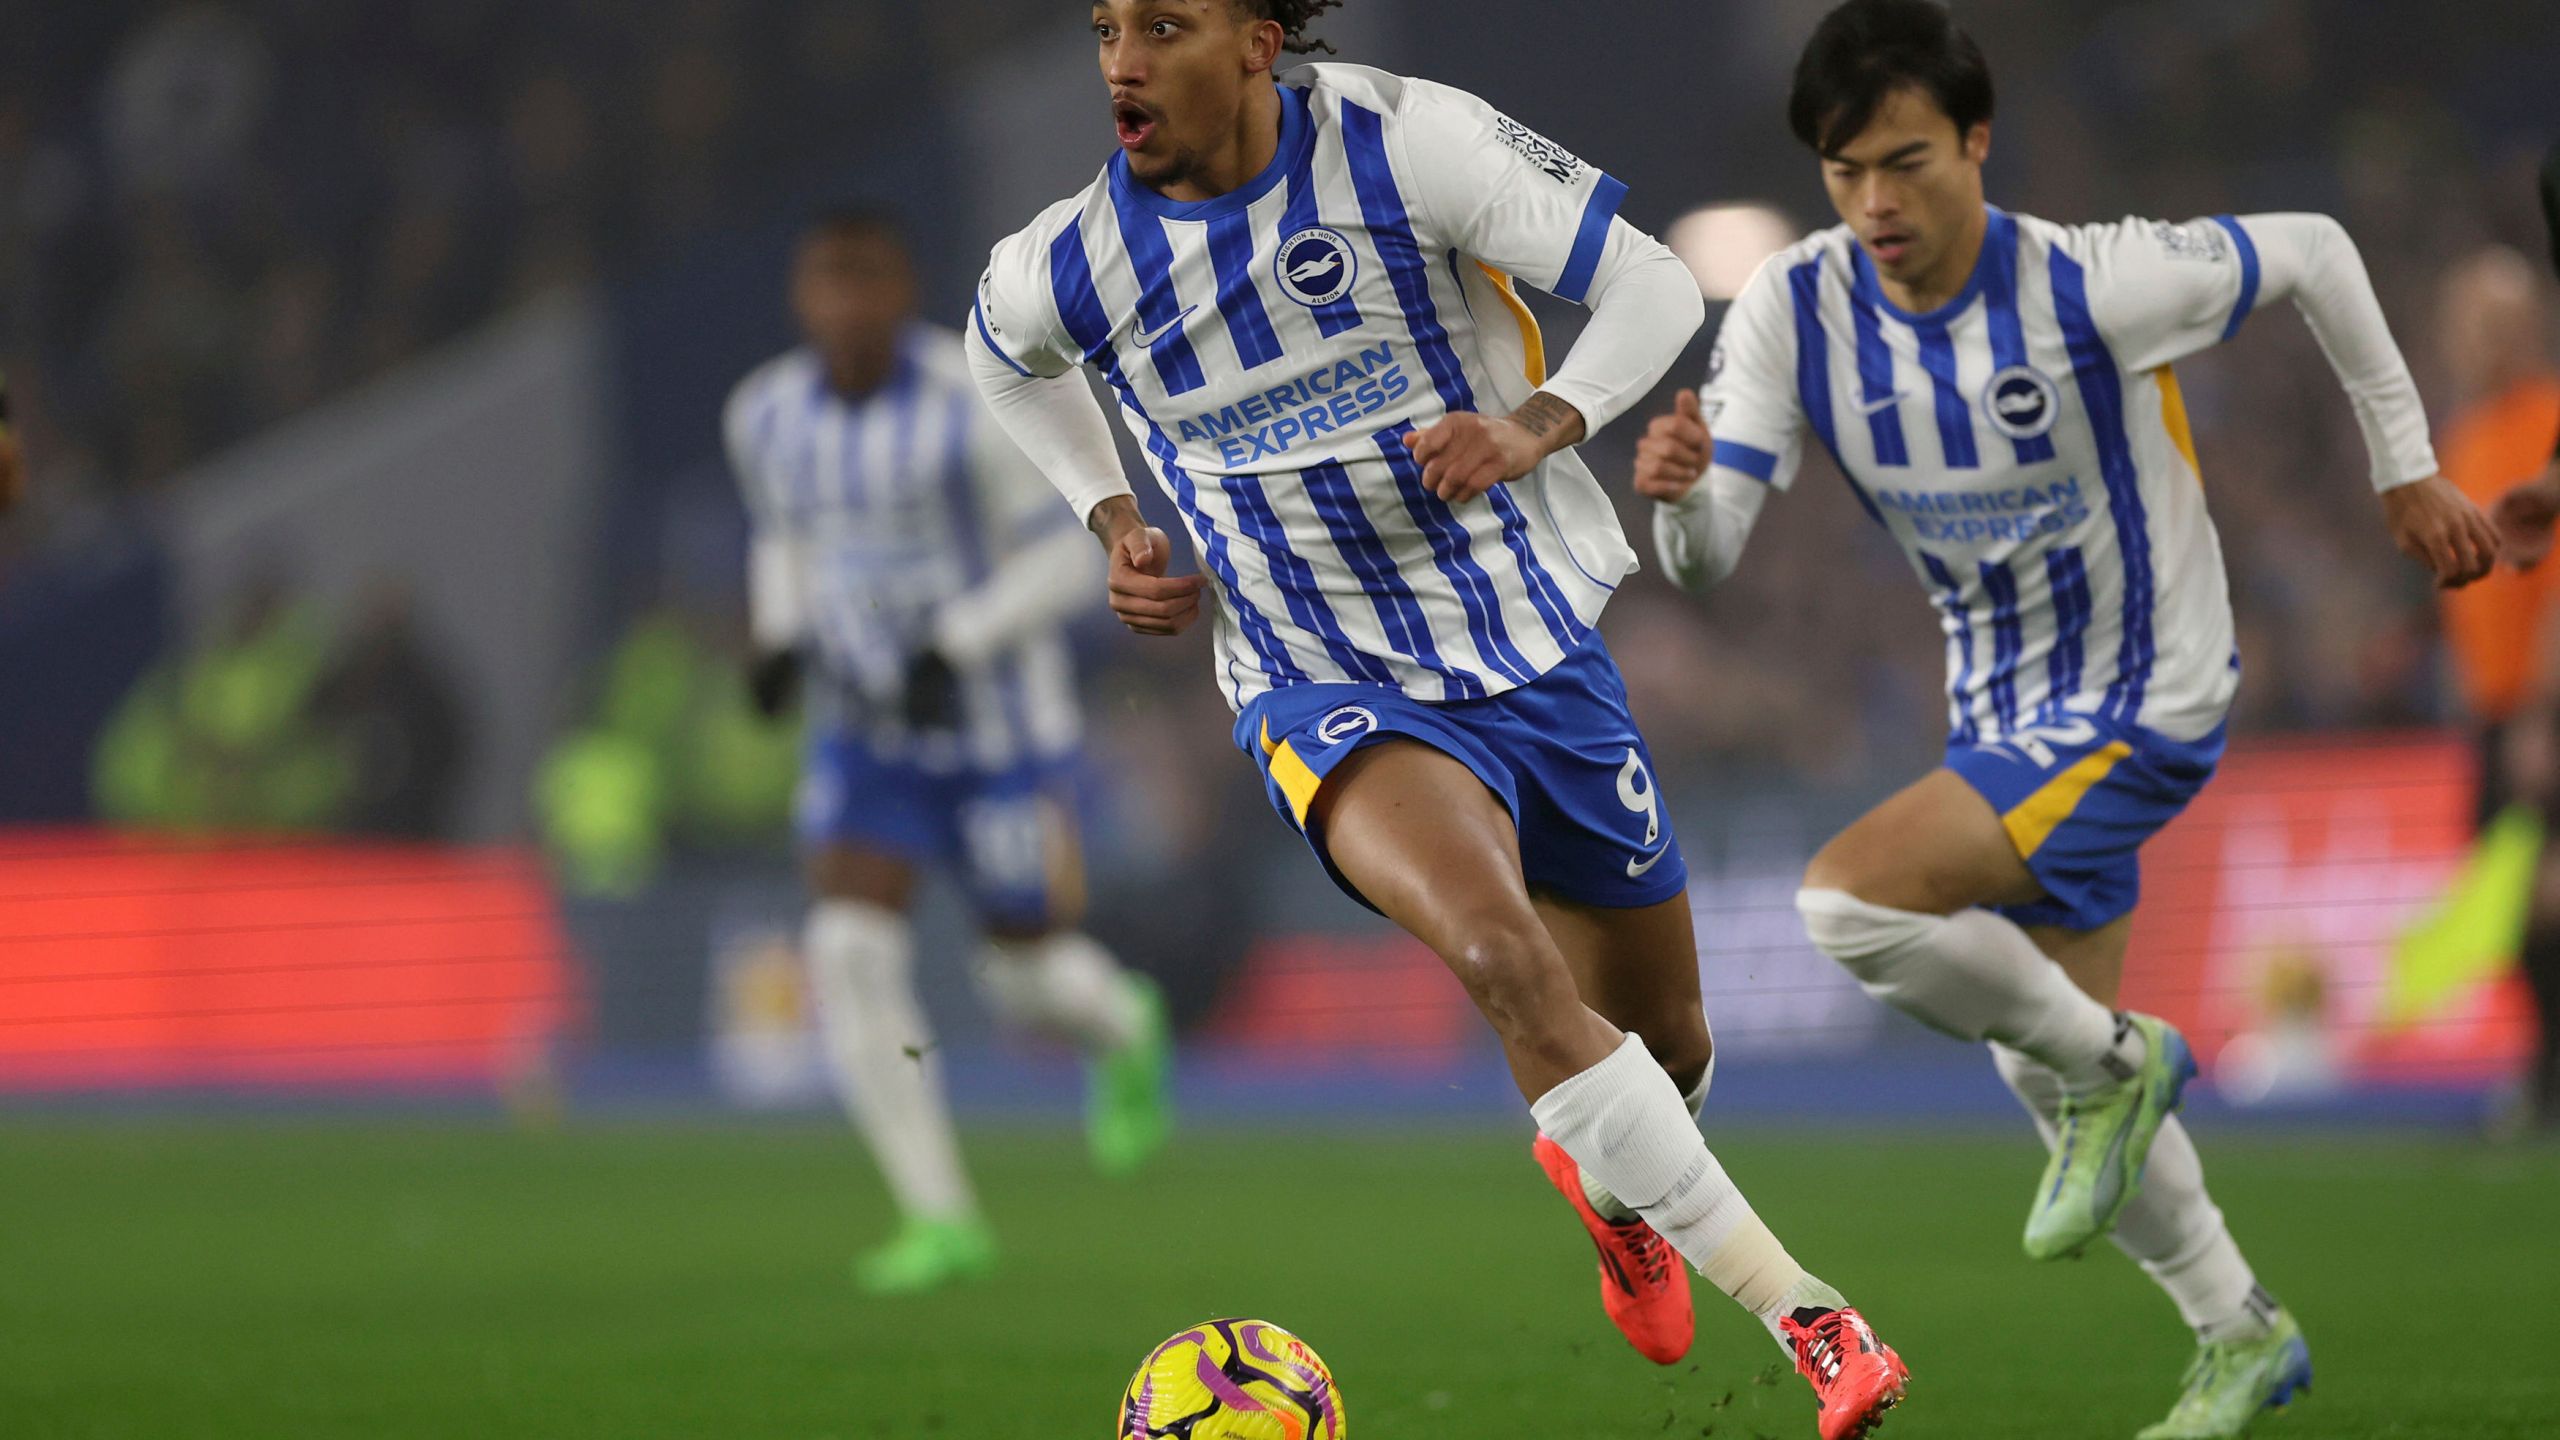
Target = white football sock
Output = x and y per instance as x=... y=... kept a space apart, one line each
x=1064 y=984
x=861 y=970
x=2171 y=1228
x=1617 y=1211
x=1976 y=976
x=1623 y=1122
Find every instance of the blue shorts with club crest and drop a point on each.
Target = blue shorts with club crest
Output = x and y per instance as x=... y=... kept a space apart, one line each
x=1006 y=835
x=2079 y=799
x=1561 y=752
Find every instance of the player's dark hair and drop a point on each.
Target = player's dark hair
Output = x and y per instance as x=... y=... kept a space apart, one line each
x=1866 y=50
x=854 y=222
x=1293 y=17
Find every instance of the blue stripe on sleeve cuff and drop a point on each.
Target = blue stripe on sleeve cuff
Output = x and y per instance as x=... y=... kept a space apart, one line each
x=2248 y=273
x=1759 y=464
x=979 y=315
x=1591 y=239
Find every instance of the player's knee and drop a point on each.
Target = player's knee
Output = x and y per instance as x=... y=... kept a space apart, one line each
x=1009 y=978
x=857 y=952
x=1858 y=935
x=1844 y=868
x=1507 y=969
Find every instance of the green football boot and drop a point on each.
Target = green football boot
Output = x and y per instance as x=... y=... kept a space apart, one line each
x=1129 y=1092
x=927 y=1255
x=2101 y=1143
x=2231 y=1383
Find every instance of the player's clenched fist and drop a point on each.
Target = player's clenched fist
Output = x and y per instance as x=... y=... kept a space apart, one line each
x=1142 y=595
x=2437 y=525
x=1466 y=454
x=1673 y=455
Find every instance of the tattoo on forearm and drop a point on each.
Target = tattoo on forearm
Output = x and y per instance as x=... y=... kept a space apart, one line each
x=1103 y=519
x=1549 y=418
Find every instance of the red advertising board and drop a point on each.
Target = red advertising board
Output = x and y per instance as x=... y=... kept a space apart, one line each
x=134 y=963
x=2283 y=893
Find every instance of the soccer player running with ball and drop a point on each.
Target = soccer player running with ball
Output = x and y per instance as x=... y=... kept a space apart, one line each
x=1998 y=390
x=1301 y=290
x=909 y=561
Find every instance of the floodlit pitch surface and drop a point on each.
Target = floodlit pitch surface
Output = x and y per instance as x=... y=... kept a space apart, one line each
x=325 y=1278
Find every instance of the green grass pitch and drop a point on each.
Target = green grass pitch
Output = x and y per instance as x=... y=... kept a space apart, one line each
x=330 y=1279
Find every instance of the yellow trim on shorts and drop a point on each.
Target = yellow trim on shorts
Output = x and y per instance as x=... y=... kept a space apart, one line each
x=2173 y=411
x=1530 y=335
x=1295 y=780
x=2036 y=817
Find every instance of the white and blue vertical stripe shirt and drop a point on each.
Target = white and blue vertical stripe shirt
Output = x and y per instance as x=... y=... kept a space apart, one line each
x=897 y=504
x=2026 y=444
x=1271 y=348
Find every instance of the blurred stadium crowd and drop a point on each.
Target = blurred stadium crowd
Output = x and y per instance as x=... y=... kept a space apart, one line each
x=214 y=215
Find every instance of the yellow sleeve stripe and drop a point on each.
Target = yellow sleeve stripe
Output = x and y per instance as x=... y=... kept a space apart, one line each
x=2035 y=818
x=2173 y=411
x=1534 y=339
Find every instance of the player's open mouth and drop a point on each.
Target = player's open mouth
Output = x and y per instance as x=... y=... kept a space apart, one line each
x=1135 y=125
x=1890 y=247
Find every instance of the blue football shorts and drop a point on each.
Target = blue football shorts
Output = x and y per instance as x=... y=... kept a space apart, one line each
x=1561 y=752
x=2079 y=799
x=1007 y=835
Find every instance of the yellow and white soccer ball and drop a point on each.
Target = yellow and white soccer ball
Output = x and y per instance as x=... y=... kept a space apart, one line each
x=1232 y=1380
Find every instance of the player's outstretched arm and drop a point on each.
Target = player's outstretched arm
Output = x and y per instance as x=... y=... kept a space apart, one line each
x=2431 y=521
x=2171 y=290
x=2311 y=260
x=1702 y=516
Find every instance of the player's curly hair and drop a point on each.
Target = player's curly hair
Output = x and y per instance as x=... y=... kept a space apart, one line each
x=1293 y=17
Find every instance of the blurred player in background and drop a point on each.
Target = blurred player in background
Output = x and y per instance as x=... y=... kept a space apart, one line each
x=2495 y=332
x=2531 y=752
x=915 y=569
x=1998 y=390
x=1302 y=293
x=12 y=472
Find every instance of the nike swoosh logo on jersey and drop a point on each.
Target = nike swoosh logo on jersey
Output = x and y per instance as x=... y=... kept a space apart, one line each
x=1875 y=407
x=1636 y=868
x=1148 y=339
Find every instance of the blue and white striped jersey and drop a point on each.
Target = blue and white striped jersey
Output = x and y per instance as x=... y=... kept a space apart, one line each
x=2026 y=444
x=896 y=505
x=1271 y=348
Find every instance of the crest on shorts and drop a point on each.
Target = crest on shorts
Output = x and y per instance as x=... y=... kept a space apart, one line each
x=1347 y=723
